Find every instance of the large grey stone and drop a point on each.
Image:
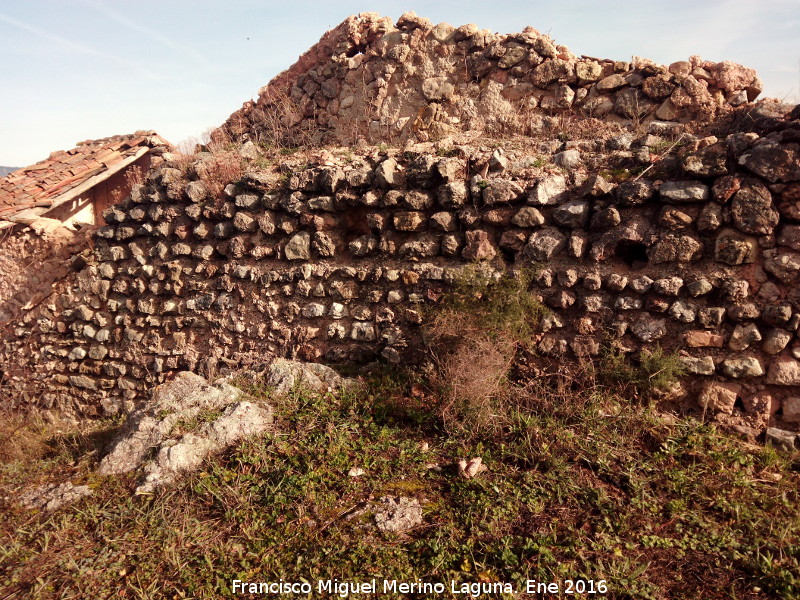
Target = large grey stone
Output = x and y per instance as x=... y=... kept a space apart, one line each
x=548 y=191
x=684 y=191
x=791 y=409
x=784 y=370
x=363 y=245
x=783 y=265
x=528 y=216
x=774 y=162
x=285 y=375
x=776 y=340
x=738 y=368
x=675 y=248
x=386 y=175
x=744 y=336
x=574 y=214
x=298 y=247
x=611 y=83
x=437 y=89
x=544 y=244
x=682 y=311
x=569 y=159
x=632 y=104
x=699 y=366
x=780 y=438
x=733 y=248
x=719 y=397
x=501 y=191
x=649 y=329
x=790 y=236
x=634 y=192
x=710 y=161
x=52 y=496
x=237 y=422
x=397 y=515
x=409 y=221
x=752 y=210
x=181 y=399
x=453 y=194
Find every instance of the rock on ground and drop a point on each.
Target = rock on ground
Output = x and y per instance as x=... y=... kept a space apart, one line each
x=397 y=515
x=238 y=422
x=53 y=495
x=179 y=400
x=781 y=439
x=284 y=375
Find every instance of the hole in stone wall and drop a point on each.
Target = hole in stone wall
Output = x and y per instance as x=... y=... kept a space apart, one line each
x=633 y=254
x=508 y=255
x=357 y=49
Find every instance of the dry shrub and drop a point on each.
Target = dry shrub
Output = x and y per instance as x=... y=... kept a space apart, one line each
x=276 y=121
x=473 y=337
x=183 y=162
x=188 y=147
x=280 y=122
x=22 y=437
x=652 y=372
x=218 y=170
x=470 y=380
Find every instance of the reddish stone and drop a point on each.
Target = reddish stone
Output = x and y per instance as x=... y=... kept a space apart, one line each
x=725 y=187
x=719 y=397
x=478 y=247
x=698 y=338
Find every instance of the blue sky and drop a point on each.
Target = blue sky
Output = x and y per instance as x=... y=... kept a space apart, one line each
x=82 y=69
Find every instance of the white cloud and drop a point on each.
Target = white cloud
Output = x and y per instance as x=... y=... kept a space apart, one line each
x=75 y=46
x=153 y=34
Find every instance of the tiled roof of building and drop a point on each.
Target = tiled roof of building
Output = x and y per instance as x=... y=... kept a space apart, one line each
x=64 y=172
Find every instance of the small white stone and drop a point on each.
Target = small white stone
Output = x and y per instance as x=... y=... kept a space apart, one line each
x=470 y=468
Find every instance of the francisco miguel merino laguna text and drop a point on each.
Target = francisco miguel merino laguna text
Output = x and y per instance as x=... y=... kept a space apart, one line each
x=343 y=589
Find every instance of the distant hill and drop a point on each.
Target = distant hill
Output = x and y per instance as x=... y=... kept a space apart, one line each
x=6 y=170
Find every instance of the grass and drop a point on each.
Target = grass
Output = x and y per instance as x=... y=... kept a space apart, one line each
x=448 y=152
x=581 y=485
x=653 y=371
x=620 y=174
x=539 y=162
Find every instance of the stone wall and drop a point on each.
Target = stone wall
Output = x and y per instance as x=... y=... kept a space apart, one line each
x=695 y=249
x=32 y=259
x=375 y=80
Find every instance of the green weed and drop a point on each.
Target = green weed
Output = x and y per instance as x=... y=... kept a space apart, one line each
x=653 y=370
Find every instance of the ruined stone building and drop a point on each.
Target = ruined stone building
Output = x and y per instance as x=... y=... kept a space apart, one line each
x=658 y=206
x=45 y=209
x=77 y=185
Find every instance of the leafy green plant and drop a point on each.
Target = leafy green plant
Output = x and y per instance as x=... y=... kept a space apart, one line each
x=447 y=152
x=654 y=370
x=539 y=162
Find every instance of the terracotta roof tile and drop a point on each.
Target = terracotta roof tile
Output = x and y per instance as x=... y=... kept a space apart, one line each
x=41 y=184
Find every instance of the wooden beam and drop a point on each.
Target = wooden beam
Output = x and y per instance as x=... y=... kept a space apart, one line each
x=93 y=181
x=27 y=216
